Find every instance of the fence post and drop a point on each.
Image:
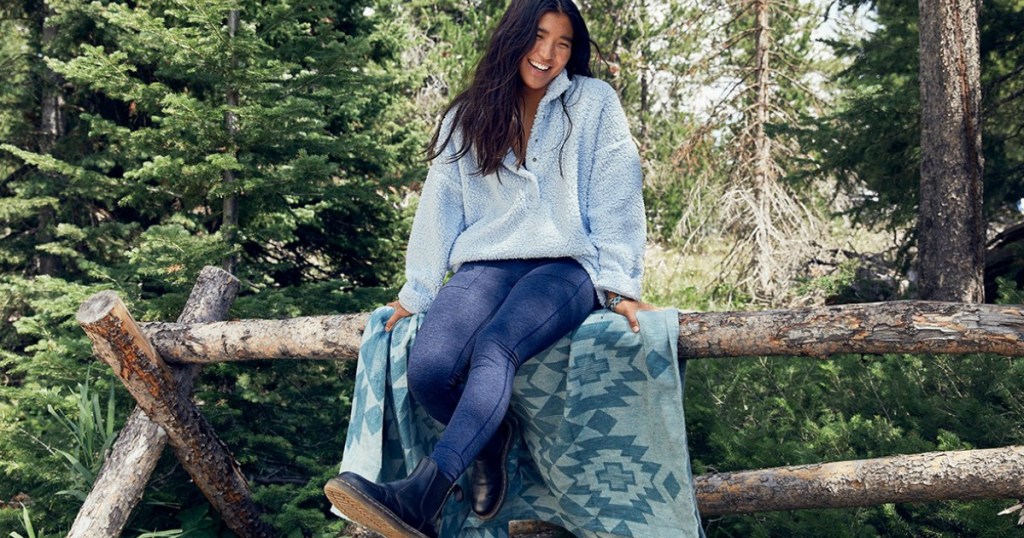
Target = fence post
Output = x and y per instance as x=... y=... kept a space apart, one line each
x=126 y=469
x=118 y=341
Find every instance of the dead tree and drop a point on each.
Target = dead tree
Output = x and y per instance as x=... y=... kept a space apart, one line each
x=996 y=473
x=872 y=328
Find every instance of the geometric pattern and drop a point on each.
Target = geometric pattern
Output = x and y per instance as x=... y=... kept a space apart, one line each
x=601 y=450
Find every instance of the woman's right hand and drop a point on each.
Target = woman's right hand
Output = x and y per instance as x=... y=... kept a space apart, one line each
x=399 y=313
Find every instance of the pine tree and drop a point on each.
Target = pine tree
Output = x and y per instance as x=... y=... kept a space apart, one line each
x=136 y=185
x=951 y=227
x=870 y=142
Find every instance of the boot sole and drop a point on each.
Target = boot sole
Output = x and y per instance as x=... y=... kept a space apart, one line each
x=367 y=511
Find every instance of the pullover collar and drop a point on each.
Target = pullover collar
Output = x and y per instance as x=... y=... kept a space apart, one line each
x=557 y=87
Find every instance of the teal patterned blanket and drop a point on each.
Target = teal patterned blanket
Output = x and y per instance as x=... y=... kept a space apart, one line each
x=602 y=448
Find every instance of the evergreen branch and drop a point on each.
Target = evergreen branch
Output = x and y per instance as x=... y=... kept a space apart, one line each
x=1003 y=78
x=273 y=25
x=1012 y=97
x=215 y=30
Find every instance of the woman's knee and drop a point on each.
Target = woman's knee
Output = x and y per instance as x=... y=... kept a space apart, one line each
x=425 y=377
x=493 y=349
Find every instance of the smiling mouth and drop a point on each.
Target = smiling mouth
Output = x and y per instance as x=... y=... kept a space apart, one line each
x=539 y=67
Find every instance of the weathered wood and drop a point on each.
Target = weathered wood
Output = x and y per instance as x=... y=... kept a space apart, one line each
x=126 y=469
x=904 y=326
x=871 y=328
x=933 y=476
x=313 y=337
x=516 y=529
x=996 y=473
x=118 y=341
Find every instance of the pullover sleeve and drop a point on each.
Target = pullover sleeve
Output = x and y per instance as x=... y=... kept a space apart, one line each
x=439 y=220
x=615 y=204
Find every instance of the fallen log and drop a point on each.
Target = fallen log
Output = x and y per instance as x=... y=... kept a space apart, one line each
x=126 y=469
x=868 y=328
x=117 y=340
x=996 y=473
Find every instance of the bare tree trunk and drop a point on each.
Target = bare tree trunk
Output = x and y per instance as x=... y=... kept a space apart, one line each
x=771 y=230
x=762 y=161
x=51 y=129
x=951 y=226
x=647 y=76
x=118 y=341
x=996 y=473
x=126 y=469
x=873 y=328
x=51 y=121
x=230 y=224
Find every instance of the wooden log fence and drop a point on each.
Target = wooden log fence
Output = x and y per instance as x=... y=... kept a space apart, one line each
x=120 y=483
x=867 y=328
x=118 y=342
x=137 y=354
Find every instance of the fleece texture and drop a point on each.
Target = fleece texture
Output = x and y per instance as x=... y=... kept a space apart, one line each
x=580 y=200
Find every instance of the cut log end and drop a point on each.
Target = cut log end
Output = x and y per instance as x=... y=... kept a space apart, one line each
x=97 y=307
x=220 y=275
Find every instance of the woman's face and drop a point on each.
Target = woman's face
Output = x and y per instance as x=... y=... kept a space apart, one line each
x=551 y=50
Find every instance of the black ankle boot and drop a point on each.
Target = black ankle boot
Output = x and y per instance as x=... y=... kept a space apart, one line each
x=488 y=475
x=405 y=508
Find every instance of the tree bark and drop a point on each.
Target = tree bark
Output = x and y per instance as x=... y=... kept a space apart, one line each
x=230 y=223
x=536 y=529
x=871 y=328
x=951 y=226
x=761 y=166
x=51 y=129
x=118 y=342
x=126 y=469
x=996 y=473
x=313 y=337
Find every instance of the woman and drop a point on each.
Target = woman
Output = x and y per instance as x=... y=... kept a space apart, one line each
x=533 y=199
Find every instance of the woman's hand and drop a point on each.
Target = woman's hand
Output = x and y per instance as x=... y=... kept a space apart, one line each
x=629 y=308
x=400 y=312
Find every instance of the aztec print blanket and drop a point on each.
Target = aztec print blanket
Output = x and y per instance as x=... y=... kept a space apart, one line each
x=602 y=447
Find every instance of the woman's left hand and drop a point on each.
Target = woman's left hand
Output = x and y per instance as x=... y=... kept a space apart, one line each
x=629 y=308
x=399 y=313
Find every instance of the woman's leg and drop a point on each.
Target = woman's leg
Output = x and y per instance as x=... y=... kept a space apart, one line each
x=409 y=507
x=440 y=355
x=545 y=304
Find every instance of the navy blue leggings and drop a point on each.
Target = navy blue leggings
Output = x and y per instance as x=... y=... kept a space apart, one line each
x=485 y=322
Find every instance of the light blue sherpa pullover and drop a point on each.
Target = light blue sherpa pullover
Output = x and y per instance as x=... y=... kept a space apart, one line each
x=589 y=209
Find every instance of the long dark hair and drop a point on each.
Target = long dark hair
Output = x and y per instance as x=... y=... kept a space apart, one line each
x=489 y=113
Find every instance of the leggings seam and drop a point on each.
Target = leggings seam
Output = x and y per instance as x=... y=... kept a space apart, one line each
x=515 y=354
x=494 y=411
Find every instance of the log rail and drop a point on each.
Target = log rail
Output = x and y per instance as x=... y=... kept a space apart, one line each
x=157 y=362
x=867 y=328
